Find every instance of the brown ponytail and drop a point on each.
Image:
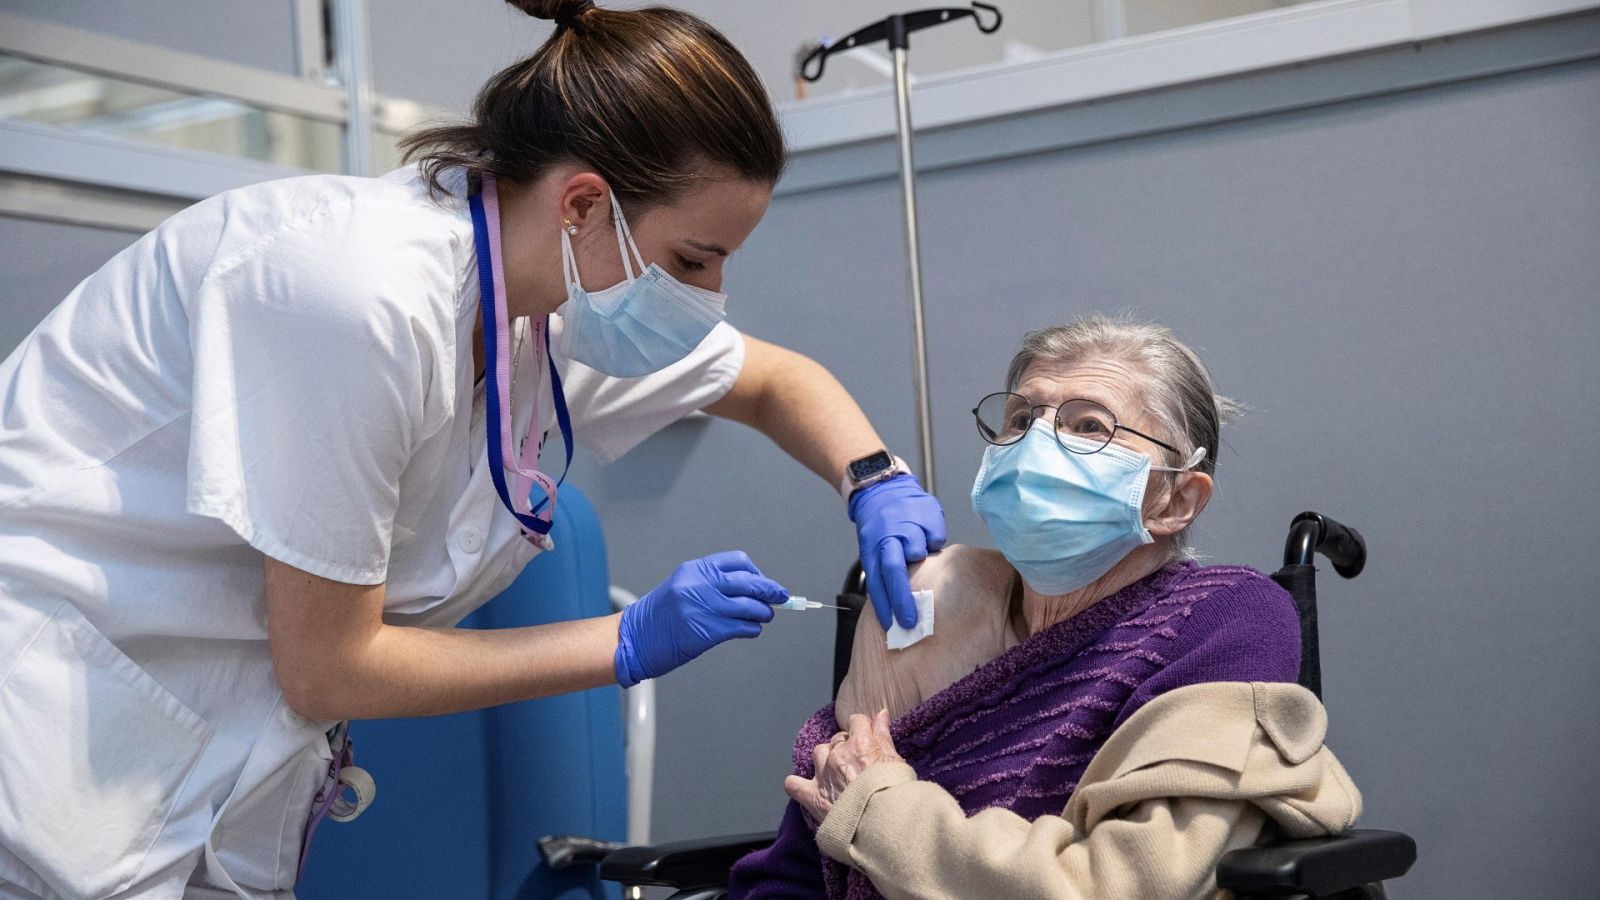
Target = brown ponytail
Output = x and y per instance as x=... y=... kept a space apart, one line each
x=649 y=98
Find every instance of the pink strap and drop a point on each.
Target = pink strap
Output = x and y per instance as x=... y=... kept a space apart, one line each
x=524 y=470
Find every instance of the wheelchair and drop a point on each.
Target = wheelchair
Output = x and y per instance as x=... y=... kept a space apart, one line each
x=1350 y=866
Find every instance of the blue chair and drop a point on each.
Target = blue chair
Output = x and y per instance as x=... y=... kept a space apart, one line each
x=462 y=800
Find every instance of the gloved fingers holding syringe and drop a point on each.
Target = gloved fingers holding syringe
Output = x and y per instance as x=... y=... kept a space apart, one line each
x=704 y=602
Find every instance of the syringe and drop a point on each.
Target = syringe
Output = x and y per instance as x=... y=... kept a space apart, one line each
x=803 y=603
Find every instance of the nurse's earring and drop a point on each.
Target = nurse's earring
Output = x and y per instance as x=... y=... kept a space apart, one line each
x=571 y=228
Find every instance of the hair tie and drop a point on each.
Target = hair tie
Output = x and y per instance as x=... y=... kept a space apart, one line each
x=573 y=13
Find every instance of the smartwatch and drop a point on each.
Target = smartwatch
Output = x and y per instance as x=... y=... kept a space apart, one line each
x=870 y=469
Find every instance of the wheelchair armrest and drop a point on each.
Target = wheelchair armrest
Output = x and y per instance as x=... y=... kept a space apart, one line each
x=1317 y=866
x=563 y=851
x=683 y=864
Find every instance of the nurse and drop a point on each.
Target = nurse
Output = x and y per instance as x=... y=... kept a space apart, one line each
x=254 y=469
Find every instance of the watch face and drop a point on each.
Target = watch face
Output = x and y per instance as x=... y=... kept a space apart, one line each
x=868 y=466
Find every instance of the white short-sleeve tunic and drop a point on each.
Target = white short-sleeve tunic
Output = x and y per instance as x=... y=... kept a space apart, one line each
x=284 y=369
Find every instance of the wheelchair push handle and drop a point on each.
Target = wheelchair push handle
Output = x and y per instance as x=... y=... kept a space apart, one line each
x=1312 y=533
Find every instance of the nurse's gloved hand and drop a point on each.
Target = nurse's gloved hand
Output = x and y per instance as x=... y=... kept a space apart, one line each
x=897 y=523
x=705 y=602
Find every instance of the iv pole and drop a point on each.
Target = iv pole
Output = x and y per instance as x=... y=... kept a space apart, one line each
x=897 y=29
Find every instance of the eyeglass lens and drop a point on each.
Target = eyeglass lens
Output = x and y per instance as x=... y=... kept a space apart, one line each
x=1003 y=418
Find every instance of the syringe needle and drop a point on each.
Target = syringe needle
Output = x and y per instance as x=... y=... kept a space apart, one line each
x=804 y=603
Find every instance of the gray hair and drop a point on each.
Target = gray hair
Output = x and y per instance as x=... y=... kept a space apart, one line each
x=1178 y=390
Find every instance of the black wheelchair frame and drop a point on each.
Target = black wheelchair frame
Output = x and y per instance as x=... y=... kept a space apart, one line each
x=1350 y=866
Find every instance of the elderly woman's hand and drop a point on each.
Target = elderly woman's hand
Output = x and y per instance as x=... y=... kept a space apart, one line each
x=839 y=761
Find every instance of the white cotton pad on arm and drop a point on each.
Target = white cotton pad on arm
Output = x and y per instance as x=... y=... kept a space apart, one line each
x=901 y=637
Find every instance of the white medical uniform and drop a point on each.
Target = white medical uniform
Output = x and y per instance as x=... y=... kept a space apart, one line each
x=287 y=370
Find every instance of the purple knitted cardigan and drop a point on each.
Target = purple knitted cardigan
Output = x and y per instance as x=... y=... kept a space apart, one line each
x=1019 y=731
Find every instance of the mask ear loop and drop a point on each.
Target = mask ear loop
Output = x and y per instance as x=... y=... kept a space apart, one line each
x=569 y=258
x=569 y=262
x=1195 y=458
x=625 y=240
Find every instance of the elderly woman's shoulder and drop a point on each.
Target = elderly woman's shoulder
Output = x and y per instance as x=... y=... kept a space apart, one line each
x=1227 y=581
x=1233 y=610
x=970 y=586
x=966 y=581
x=1239 y=587
x=961 y=562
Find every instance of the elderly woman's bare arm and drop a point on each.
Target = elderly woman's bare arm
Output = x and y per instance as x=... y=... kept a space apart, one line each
x=970 y=587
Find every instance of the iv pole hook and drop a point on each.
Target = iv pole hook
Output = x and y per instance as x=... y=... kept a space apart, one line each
x=896 y=30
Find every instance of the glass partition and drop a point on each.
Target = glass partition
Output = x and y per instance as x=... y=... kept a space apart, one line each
x=89 y=103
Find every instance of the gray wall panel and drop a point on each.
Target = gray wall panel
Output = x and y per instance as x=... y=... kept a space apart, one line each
x=1402 y=289
x=1398 y=288
x=40 y=263
x=443 y=53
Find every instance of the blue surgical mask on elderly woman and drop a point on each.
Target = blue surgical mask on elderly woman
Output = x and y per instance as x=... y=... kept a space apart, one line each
x=640 y=325
x=1063 y=519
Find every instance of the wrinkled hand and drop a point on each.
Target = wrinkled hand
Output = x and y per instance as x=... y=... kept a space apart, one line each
x=704 y=602
x=897 y=523
x=850 y=753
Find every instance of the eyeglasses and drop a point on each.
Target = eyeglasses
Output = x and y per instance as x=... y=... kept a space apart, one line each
x=1004 y=417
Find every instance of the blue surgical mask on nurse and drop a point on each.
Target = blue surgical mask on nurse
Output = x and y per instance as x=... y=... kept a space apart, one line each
x=642 y=324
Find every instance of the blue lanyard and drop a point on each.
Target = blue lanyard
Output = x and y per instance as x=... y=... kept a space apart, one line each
x=492 y=410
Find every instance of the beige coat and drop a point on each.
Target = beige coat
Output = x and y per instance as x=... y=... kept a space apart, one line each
x=1194 y=774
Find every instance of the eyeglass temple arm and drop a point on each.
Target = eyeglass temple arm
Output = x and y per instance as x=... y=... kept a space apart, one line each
x=983 y=430
x=1159 y=443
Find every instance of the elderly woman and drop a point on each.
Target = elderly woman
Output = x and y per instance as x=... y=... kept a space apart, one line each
x=1096 y=715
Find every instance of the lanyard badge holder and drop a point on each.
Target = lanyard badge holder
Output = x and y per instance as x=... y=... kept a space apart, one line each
x=342 y=777
x=536 y=522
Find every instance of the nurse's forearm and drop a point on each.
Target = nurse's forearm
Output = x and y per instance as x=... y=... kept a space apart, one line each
x=792 y=399
x=336 y=659
x=432 y=671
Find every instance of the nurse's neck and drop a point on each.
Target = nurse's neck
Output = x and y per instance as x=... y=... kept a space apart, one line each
x=530 y=248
